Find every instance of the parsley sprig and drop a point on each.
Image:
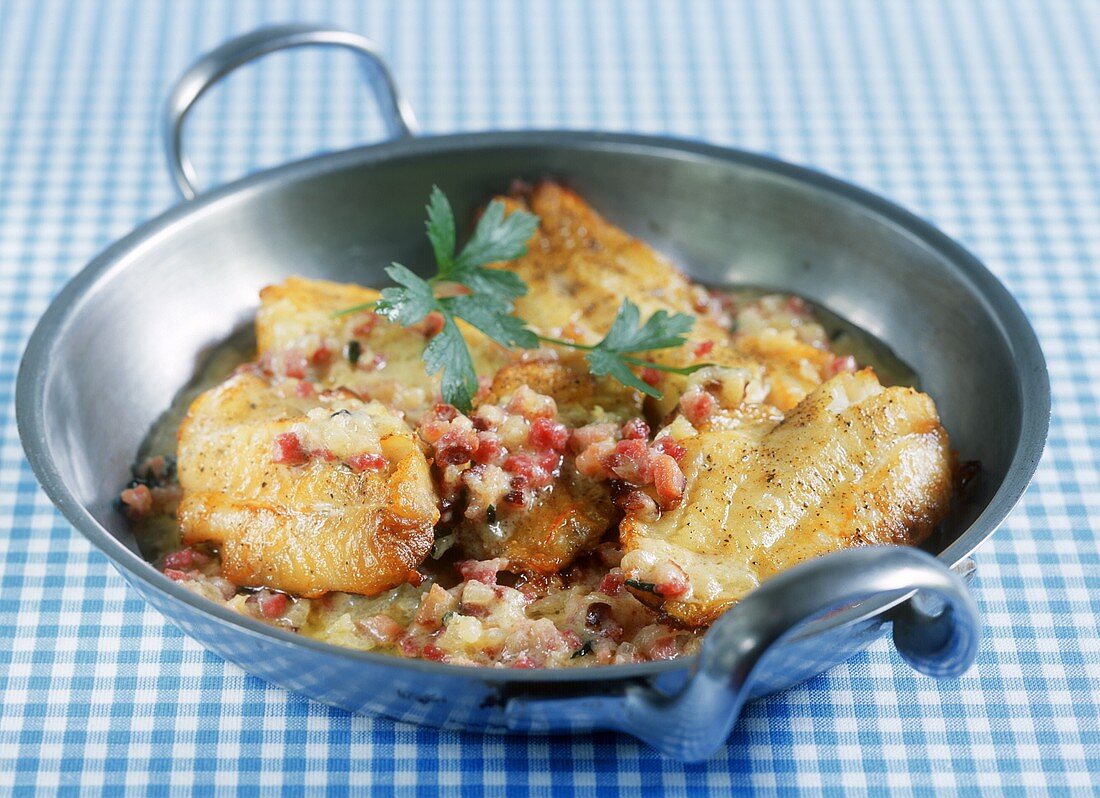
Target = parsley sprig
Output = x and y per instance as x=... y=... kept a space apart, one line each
x=485 y=299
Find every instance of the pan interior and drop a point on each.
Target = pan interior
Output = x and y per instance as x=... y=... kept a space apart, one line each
x=134 y=328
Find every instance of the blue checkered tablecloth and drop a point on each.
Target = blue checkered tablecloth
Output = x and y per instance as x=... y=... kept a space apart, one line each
x=983 y=117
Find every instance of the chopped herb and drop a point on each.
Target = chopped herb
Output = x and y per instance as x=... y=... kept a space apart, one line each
x=442 y=544
x=648 y=587
x=491 y=514
x=447 y=616
x=344 y=412
x=583 y=651
x=353 y=351
x=488 y=301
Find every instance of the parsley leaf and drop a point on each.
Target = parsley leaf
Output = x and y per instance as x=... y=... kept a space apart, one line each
x=441 y=228
x=447 y=353
x=628 y=335
x=660 y=331
x=410 y=303
x=489 y=316
x=604 y=363
x=498 y=237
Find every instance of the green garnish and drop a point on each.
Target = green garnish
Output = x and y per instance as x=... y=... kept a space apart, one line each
x=353 y=351
x=583 y=651
x=442 y=545
x=613 y=355
x=648 y=587
x=447 y=616
x=488 y=299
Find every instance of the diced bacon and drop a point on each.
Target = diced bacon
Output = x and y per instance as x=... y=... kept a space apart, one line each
x=797 y=305
x=524 y=662
x=635 y=429
x=323 y=454
x=366 y=462
x=703 y=348
x=521 y=465
x=177 y=576
x=289 y=450
x=156 y=466
x=548 y=434
x=456 y=446
x=366 y=327
x=630 y=461
x=612 y=583
x=671 y=447
x=444 y=412
x=433 y=652
x=549 y=462
x=138 y=501
x=409 y=645
x=382 y=628
x=295 y=365
x=664 y=648
x=532 y=405
x=488 y=449
x=484 y=571
x=590 y=462
x=651 y=376
x=377 y=363
x=435 y=604
x=185 y=560
x=669 y=579
x=697 y=405
x=842 y=364
x=272 y=605
x=305 y=389
x=321 y=355
x=638 y=504
x=669 y=481
x=431 y=430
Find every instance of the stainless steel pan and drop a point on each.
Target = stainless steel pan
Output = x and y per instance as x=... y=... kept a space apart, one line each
x=129 y=330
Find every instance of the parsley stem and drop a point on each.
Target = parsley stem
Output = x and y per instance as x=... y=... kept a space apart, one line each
x=568 y=344
x=634 y=361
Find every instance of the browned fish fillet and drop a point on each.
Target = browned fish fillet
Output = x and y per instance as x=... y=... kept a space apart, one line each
x=355 y=513
x=852 y=464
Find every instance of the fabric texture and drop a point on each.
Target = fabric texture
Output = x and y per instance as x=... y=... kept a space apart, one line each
x=982 y=117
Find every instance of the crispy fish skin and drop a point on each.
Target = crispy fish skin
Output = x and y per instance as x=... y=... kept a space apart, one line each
x=305 y=529
x=853 y=464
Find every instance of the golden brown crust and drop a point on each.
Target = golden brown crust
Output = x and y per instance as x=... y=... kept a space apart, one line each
x=852 y=464
x=579 y=267
x=306 y=529
x=568 y=518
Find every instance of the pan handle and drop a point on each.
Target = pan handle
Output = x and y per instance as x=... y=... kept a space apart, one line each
x=219 y=62
x=935 y=631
